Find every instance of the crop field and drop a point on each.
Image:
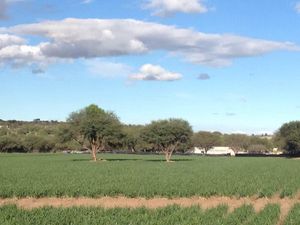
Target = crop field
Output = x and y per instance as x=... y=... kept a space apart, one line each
x=294 y=216
x=173 y=215
x=58 y=175
x=38 y=189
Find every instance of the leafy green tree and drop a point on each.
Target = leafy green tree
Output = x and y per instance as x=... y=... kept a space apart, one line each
x=289 y=133
x=167 y=135
x=206 y=140
x=66 y=138
x=96 y=126
x=38 y=143
x=132 y=138
x=278 y=141
x=11 y=143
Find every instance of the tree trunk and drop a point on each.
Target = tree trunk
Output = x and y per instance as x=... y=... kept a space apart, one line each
x=94 y=152
x=168 y=155
x=169 y=151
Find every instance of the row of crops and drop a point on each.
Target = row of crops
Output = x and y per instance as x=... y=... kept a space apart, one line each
x=59 y=175
x=173 y=215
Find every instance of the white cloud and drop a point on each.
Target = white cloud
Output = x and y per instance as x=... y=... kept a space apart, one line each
x=169 y=7
x=297 y=7
x=8 y=40
x=21 y=55
x=15 y=53
x=107 y=69
x=94 y=38
x=151 y=72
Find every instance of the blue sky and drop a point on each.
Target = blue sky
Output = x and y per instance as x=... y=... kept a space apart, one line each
x=231 y=66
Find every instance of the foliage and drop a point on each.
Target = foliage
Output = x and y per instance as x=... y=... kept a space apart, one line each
x=11 y=143
x=132 y=140
x=290 y=135
x=167 y=135
x=101 y=129
x=20 y=136
x=259 y=144
x=238 y=142
x=206 y=140
x=257 y=148
x=94 y=125
x=40 y=175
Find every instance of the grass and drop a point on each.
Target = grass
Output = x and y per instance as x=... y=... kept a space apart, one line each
x=268 y=216
x=294 y=216
x=173 y=215
x=23 y=175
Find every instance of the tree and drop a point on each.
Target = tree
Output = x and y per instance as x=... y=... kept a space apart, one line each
x=96 y=127
x=259 y=144
x=289 y=134
x=237 y=142
x=257 y=148
x=167 y=135
x=207 y=140
x=132 y=137
x=11 y=143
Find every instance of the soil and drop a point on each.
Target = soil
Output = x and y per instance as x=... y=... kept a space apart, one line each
x=123 y=202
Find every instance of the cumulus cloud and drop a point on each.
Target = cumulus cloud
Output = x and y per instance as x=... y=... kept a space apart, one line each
x=21 y=55
x=15 y=53
x=108 y=69
x=169 y=7
x=9 y=40
x=115 y=37
x=203 y=76
x=95 y=38
x=297 y=7
x=149 y=72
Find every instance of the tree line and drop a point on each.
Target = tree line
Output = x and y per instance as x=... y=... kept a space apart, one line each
x=96 y=130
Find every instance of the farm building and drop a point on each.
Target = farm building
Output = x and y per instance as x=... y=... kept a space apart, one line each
x=220 y=151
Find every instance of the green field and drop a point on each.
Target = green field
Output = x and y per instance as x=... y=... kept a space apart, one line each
x=173 y=215
x=294 y=216
x=23 y=175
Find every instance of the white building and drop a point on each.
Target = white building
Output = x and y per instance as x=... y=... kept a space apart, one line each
x=220 y=151
x=199 y=151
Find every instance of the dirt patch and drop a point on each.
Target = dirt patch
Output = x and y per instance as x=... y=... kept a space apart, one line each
x=123 y=202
